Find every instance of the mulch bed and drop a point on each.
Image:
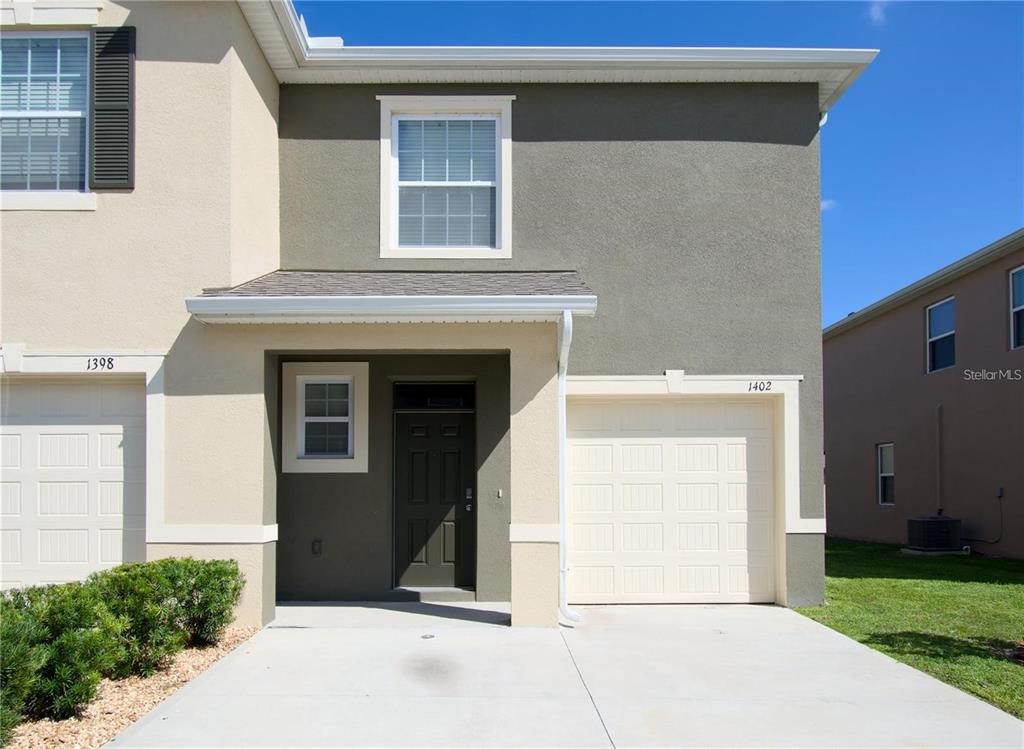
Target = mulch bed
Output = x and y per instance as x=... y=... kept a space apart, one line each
x=120 y=703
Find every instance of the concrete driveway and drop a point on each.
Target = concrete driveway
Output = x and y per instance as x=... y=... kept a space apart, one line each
x=454 y=675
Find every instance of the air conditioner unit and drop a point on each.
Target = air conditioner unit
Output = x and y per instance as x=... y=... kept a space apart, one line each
x=933 y=533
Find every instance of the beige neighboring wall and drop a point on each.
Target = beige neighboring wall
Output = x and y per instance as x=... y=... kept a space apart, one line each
x=217 y=426
x=204 y=211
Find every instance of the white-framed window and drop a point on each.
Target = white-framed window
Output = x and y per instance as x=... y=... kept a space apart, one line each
x=325 y=416
x=940 y=324
x=44 y=111
x=324 y=420
x=886 y=466
x=446 y=176
x=1017 y=308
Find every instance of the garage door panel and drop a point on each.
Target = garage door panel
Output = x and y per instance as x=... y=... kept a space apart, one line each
x=676 y=508
x=73 y=495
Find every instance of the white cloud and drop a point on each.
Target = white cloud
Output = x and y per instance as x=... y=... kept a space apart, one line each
x=828 y=204
x=876 y=12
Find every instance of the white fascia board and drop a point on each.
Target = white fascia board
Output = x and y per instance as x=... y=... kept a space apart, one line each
x=227 y=309
x=327 y=60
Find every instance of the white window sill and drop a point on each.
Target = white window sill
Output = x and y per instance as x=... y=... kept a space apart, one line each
x=448 y=253
x=47 y=201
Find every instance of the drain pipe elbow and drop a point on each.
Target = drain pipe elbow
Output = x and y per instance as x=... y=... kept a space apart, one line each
x=564 y=342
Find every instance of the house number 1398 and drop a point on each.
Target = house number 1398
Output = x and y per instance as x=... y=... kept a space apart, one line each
x=99 y=362
x=760 y=386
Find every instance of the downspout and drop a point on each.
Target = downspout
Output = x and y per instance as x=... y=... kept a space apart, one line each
x=564 y=342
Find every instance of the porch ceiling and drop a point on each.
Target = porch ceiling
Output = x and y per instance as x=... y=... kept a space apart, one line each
x=396 y=296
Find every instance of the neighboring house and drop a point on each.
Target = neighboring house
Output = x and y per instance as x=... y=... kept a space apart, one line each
x=392 y=322
x=924 y=406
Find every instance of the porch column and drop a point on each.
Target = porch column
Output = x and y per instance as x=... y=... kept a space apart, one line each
x=533 y=534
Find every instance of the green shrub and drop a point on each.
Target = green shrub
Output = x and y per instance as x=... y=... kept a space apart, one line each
x=205 y=593
x=144 y=599
x=20 y=659
x=76 y=640
x=57 y=641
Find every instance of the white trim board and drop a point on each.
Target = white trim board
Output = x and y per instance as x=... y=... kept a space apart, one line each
x=392 y=107
x=296 y=57
x=293 y=374
x=16 y=359
x=47 y=200
x=341 y=309
x=784 y=392
x=50 y=12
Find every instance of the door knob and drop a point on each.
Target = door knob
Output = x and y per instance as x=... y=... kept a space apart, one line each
x=469 y=508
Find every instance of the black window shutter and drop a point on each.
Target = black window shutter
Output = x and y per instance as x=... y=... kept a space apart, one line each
x=111 y=111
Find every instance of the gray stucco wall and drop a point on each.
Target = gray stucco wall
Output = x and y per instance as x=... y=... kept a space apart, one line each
x=352 y=512
x=692 y=210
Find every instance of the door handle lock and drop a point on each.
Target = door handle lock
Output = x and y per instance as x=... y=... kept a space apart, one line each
x=469 y=493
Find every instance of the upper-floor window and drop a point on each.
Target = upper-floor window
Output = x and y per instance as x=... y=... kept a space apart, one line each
x=44 y=105
x=1017 y=308
x=886 y=466
x=445 y=177
x=941 y=324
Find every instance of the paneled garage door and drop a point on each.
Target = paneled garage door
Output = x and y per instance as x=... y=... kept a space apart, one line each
x=72 y=458
x=671 y=501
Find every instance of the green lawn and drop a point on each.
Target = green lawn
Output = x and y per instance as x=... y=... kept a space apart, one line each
x=955 y=617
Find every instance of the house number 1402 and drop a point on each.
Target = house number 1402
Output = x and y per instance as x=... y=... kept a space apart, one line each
x=760 y=386
x=99 y=362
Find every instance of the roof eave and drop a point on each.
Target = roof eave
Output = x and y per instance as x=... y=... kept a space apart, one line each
x=223 y=309
x=987 y=254
x=296 y=57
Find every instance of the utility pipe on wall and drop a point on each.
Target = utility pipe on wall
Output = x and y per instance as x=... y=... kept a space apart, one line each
x=564 y=342
x=938 y=460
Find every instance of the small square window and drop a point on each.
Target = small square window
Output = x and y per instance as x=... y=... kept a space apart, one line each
x=326 y=430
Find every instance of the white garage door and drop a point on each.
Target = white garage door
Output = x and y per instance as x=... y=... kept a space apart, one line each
x=72 y=458
x=671 y=501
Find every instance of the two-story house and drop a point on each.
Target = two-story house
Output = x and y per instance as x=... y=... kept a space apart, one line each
x=521 y=324
x=924 y=406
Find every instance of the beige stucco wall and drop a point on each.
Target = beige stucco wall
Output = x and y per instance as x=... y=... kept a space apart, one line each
x=204 y=211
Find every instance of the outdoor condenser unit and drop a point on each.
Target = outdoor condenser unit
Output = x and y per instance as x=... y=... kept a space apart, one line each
x=933 y=533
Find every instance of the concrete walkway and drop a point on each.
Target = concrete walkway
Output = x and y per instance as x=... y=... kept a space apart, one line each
x=454 y=675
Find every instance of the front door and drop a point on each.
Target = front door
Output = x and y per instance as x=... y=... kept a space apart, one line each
x=435 y=499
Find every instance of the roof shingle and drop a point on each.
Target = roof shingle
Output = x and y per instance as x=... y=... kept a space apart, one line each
x=409 y=283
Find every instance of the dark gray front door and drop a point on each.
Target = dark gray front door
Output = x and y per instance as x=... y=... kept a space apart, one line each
x=435 y=499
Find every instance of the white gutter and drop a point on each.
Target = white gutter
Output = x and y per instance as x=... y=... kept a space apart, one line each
x=564 y=342
x=297 y=57
x=326 y=309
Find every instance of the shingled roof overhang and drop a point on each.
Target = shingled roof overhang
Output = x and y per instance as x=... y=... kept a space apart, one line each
x=296 y=57
x=396 y=296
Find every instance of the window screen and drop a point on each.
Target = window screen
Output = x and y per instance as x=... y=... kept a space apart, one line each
x=447 y=182
x=44 y=82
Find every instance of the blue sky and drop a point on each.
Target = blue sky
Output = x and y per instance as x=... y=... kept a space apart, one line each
x=922 y=160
